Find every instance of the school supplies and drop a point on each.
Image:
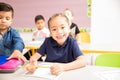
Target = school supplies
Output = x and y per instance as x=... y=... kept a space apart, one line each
x=3 y=59
x=10 y=65
x=34 y=66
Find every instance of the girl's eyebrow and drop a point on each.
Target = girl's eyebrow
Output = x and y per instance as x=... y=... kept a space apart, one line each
x=59 y=26
x=53 y=27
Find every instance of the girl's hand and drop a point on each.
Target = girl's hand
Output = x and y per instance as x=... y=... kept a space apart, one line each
x=32 y=66
x=57 y=68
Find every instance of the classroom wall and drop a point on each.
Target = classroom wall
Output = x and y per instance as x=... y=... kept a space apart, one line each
x=26 y=10
x=105 y=22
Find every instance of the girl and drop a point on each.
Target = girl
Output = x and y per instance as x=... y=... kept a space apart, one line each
x=60 y=48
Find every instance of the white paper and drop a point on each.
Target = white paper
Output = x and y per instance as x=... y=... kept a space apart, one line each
x=109 y=75
x=43 y=73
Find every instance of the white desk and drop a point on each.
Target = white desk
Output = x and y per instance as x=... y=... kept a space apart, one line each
x=99 y=48
x=86 y=73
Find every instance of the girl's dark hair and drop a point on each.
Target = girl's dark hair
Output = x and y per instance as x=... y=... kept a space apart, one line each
x=6 y=7
x=39 y=17
x=57 y=15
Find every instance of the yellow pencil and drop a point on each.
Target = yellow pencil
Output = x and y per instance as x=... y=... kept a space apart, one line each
x=25 y=66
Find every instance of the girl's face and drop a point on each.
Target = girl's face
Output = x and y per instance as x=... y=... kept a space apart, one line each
x=59 y=29
x=5 y=20
x=40 y=24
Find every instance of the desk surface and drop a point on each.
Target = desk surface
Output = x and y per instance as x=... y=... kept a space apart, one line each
x=86 y=73
x=99 y=48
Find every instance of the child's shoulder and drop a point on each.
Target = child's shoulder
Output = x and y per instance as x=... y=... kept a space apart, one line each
x=12 y=30
x=49 y=38
x=71 y=38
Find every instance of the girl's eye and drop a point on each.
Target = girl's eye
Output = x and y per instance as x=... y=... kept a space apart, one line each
x=63 y=27
x=53 y=29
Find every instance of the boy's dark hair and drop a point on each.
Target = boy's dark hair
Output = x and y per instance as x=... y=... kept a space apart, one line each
x=39 y=17
x=6 y=7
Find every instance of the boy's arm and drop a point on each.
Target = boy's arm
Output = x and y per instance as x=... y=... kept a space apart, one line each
x=17 y=41
x=18 y=46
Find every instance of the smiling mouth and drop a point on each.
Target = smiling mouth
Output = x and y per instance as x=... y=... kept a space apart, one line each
x=60 y=37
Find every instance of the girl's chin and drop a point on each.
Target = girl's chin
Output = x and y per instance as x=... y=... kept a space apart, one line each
x=61 y=40
x=60 y=43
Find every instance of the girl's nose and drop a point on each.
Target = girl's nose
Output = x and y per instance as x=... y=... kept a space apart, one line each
x=59 y=31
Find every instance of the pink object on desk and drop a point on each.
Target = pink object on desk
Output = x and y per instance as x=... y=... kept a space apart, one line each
x=11 y=64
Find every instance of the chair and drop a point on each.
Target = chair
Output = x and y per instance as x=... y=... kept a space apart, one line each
x=108 y=59
x=84 y=37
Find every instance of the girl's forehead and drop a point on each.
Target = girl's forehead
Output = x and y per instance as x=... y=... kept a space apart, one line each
x=58 y=20
x=60 y=17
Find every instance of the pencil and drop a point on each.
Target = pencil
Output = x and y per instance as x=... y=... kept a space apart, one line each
x=25 y=66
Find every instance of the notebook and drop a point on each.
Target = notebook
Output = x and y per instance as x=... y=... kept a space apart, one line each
x=10 y=65
x=3 y=59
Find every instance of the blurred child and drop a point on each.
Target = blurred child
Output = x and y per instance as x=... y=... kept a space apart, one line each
x=60 y=48
x=11 y=44
x=75 y=32
x=42 y=32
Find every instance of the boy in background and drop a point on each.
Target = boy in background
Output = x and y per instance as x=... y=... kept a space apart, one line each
x=60 y=48
x=42 y=32
x=11 y=44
